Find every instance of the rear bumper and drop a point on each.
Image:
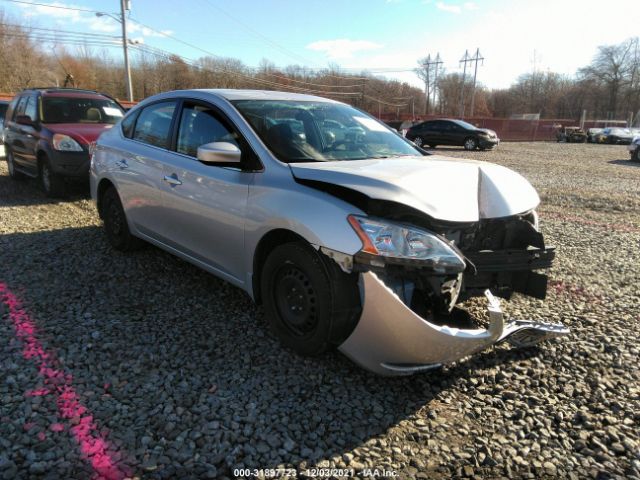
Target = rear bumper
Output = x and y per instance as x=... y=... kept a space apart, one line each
x=390 y=339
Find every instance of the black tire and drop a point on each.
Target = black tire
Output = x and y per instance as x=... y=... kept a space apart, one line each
x=470 y=143
x=636 y=155
x=311 y=305
x=418 y=141
x=13 y=173
x=51 y=183
x=116 y=227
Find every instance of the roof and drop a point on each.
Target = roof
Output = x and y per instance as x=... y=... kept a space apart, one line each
x=232 y=94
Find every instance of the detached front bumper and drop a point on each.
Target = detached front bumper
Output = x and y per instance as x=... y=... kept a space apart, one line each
x=390 y=339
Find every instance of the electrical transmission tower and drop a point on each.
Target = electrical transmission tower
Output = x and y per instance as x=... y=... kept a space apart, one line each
x=469 y=59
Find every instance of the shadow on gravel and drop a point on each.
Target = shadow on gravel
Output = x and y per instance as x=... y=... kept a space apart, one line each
x=175 y=362
x=626 y=163
x=15 y=193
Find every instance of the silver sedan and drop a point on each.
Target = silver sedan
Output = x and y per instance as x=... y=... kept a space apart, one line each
x=348 y=234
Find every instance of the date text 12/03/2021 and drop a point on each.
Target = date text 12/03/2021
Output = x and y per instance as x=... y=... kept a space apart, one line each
x=314 y=472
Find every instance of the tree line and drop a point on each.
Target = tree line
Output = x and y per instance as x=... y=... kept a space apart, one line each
x=609 y=87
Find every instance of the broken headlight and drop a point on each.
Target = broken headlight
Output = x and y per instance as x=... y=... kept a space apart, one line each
x=386 y=242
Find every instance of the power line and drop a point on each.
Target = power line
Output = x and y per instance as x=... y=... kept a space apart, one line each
x=61 y=7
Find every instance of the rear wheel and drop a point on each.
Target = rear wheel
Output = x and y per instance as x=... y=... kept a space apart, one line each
x=470 y=143
x=311 y=305
x=418 y=141
x=636 y=155
x=51 y=183
x=11 y=166
x=115 y=222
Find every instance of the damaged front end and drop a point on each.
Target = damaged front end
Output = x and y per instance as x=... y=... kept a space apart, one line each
x=412 y=278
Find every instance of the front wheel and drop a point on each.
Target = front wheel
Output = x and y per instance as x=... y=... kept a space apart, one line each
x=311 y=305
x=11 y=166
x=470 y=143
x=418 y=141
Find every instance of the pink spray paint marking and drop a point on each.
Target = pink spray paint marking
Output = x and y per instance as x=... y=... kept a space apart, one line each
x=92 y=445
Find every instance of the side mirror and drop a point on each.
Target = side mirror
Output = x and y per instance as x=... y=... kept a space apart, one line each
x=219 y=152
x=25 y=120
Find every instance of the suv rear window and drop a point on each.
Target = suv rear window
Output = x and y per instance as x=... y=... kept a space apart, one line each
x=80 y=110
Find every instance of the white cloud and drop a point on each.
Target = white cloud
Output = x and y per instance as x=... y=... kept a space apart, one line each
x=342 y=48
x=470 y=6
x=446 y=7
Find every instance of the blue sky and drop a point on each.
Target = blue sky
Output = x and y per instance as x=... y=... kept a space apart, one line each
x=377 y=35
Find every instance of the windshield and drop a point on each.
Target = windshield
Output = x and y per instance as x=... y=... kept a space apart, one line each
x=464 y=124
x=80 y=110
x=297 y=131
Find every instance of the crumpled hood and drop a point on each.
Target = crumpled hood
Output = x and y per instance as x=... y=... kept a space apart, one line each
x=82 y=132
x=444 y=188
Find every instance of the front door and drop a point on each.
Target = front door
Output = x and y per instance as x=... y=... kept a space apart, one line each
x=205 y=205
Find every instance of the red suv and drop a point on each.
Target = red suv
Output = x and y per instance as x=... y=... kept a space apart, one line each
x=48 y=133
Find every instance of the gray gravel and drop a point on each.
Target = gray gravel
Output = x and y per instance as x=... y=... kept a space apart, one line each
x=184 y=380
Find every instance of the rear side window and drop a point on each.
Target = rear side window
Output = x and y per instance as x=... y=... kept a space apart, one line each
x=154 y=124
x=20 y=107
x=128 y=123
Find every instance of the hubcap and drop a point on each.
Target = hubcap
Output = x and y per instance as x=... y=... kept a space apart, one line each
x=295 y=300
x=418 y=141
x=470 y=144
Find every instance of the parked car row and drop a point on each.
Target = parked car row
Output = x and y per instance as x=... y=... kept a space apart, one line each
x=351 y=236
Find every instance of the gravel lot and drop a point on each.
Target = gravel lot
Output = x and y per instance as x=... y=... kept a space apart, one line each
x=180 y=377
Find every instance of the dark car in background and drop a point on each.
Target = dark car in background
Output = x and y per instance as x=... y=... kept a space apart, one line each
x=617 y=136
x=3 y=110
x=48 y=133
x=452 y=132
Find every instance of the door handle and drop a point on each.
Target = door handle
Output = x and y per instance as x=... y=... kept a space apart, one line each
x=172 y=180
x=122 y=164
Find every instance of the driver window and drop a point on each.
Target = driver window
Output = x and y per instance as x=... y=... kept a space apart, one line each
x=200 y=125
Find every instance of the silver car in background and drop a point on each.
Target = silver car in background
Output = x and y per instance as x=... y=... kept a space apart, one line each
x=348 y=234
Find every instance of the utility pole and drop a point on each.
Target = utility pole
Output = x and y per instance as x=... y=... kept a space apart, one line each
x=464 y=60
x=427 y=67
x=476 y=58
x=436 y=63
x=124 y=6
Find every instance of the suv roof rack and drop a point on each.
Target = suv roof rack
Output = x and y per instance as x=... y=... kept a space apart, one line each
x=53 y=89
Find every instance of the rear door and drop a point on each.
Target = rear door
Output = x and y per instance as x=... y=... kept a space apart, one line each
x=205 y=205
x=139 y=168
